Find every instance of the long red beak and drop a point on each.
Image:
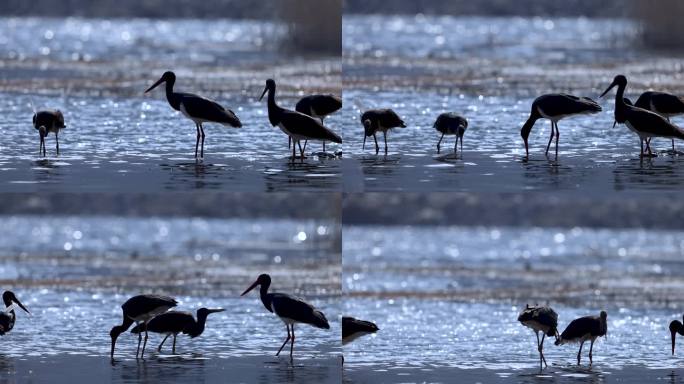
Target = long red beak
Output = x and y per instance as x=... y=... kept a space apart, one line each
x=155 y=85
x=250 y=288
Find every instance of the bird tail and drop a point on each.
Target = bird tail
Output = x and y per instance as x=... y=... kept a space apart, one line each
x=319 y=320
x=233 y=120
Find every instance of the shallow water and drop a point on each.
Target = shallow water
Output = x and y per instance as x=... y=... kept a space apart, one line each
x=452 y=294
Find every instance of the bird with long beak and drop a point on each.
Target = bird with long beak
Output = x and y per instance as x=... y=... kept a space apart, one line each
x=8 y=317
x=676 y=327
x=50 y=120
x=379 y=120
x=554 y=107
x=296 y=125
x=645 y=124
x=291 y=310
x=665 y=104
x=140 y=310
x=175 y=322
x=318 y=106
x=196 y=108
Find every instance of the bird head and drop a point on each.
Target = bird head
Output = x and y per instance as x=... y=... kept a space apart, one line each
x=204 y=312
x=270 y=86
x=619 y=80
x=264 y=280
x=168 y=76
x=8 y=297
x=114 y=334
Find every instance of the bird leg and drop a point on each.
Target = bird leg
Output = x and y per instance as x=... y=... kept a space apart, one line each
x=202 y=131
x=142 y=355
x=40 y=146
x=579 y=354
x=461 y=136
x=198 y=136
x=591 y=348
x=292 y=343
x=541 y=350
x=57 y=141
x=673 y=147
x=557 y=138
x=305 y=143
x=550 y=139
x=293 y=151
x=289 y=142
x=286 y=340
x=641 y=154
x=384 y=133
x=301 y=151
x=377 y=147
x=456 y=145
x=440 y=142
x=137 y=351
x=324 y=146
x=174 y=344
x=162 y=343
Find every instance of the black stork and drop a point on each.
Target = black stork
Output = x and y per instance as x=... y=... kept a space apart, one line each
x=618 y=115
x=451 y=124
x=644 y=123
x=140 y=309
x=540 y=319
x=665 y=104
x=318 y=106
x=556 y=106
x=7 y=316
x=196 y=108
x=583 y=329
x=291 y=310
x=379 y=120
x=175 y=322
x=50 y=120
x=676 y=327
x=353 y=328
x=295 y=125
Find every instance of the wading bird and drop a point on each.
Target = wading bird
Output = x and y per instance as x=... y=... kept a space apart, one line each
x=291 y=310
x=676 y=327
x=196 y=108
x=175 y=322
x=379 y=120
x=540 y=319
x=295 y=125
x=8 y=317
x=665 y=104
x=318 y=106
x=556 y=106
x=450 y=124
x=140 y=310
x=583 y=329
x=644 y=123
x=47 y=121
x=353 y=328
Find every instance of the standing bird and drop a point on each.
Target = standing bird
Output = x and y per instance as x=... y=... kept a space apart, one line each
x=663 y=103
x=140 y=309
x=353 y=328
x=619 y=116
x=450 y=124
x=644 y=123
x=540 y=319
x=583 y=329
x=556 y=106
x=676 y=327
x=379 y=120
x=289 y=309
x=318 y=106
x=175 y=322
x=47 y=121
x=196 y=108
x=295 y=125
x=8 y=317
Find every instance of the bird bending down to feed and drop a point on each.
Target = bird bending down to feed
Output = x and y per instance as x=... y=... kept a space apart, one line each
x=140 y=310
x=540 y=319
x=379 y=120
x=8 y=317
x=644 y=123
x=450 y=124
x=318 y=106
x=47 y=121
x=583 y=329
x=665 y=104
x=676 y=327
x=295 y=125
x=291 y=310
x=175 y=322
x=556 y=106
x=196 y=108
x=353 y=328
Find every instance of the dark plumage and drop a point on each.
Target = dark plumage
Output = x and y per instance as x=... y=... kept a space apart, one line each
x=140 y=309
x=450 y=124
x=353 y=328
x=583 y=329
x=8 y=317
x=644 y=123
x=50 y=120
x=663 y=103
x=676 y=327
x=540 y=319
x=289 y=309
x=196 y=108
x=175 y=322
x=556 y=106
x=296 y=125
x=318 y=106
x=380 y=120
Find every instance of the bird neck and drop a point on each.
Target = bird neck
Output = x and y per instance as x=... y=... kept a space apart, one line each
x=274 y=110
x=172 y=97
x=620 y=105
x=197 y=327
x=527 y=127
x=266 y=299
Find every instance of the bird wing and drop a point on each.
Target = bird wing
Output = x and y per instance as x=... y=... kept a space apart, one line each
x=389 y=118
x=297 y=309
x=651 y=122
x=667 y=103
x=582 y=326
x=565 y=104
x=168 y=322
x=351 y=325
x=302 y=125
x=207 y=109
